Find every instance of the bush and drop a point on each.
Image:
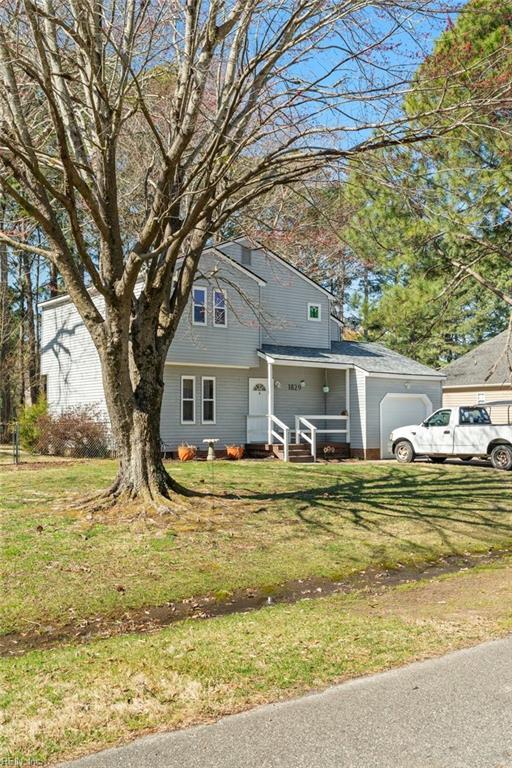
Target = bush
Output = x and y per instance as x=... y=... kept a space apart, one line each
x=29 y=419
x=75 y=432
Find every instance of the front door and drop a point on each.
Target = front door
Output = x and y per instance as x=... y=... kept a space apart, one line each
x=258 y=411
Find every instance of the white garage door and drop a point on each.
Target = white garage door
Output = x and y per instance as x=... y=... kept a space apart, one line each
x=399 y=410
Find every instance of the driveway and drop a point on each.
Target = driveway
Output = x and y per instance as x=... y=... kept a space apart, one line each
x=451 y=712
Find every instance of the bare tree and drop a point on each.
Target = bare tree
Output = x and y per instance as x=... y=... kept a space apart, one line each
x=132 y=131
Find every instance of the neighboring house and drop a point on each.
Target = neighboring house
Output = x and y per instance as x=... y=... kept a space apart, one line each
x=481 y=376
x=257 y=349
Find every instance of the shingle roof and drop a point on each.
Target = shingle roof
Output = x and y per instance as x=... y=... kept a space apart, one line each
x=476 y=367
x=371 y=357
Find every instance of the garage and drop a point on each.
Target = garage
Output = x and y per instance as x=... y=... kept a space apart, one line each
x=399 y=410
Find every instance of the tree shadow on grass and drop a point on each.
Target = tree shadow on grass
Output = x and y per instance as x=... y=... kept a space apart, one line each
x=451 y=506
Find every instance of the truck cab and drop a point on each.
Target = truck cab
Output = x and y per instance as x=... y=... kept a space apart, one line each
x=462 y=431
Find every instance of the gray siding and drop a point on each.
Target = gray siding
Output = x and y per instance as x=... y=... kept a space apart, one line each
x=284 y=302
x=69 y=359
x=237 y=343
x=377 y=388
x=311 y=400
x=232 y=404
x=335 y=331
x=357 y=410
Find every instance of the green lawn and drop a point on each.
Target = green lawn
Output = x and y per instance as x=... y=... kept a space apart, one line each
x=76 y=698
x=290 y=521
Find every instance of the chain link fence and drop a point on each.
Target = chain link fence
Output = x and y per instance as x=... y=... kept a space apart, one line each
x=50 y=439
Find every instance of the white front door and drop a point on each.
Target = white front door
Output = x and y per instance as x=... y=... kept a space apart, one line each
x=258 y=411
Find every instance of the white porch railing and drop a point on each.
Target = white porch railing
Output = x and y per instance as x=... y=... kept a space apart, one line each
x=314 y=431
x=284 y=438
x=310 y=438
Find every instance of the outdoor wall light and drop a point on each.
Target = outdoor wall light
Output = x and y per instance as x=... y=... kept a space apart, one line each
x=277 y=384
x=302 y=384
x=326 y=388
x=407 y=384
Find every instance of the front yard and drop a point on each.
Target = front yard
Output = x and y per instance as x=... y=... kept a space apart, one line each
x=265 y=524
x=279 y=522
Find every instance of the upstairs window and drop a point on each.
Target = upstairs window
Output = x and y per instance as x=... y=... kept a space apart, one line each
x=315 y=312
x=199 y=306
x=208 y=400
x=188 y=399
x=220 y=318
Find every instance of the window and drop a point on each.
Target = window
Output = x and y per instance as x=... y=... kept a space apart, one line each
x=315 y=312
x=208 y=400
x=474 y=416
x=439 y=419
x=188 y=399
x=199 y=306
x=220 y=318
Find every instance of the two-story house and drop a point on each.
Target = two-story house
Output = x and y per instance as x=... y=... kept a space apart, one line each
x=257 y=360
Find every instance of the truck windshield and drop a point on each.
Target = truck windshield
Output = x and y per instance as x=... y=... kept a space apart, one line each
x=474 y=416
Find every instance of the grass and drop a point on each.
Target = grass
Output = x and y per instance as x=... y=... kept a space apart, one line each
x=83 y=697
x=291 y=521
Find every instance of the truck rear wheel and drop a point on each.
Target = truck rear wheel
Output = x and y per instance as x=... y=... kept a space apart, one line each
x=501 y=457
x=404 y=452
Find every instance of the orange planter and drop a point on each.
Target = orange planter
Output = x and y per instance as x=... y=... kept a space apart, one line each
x=186 y=452
x=234 y=451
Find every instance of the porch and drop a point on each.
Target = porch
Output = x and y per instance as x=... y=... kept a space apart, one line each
x=307 y=409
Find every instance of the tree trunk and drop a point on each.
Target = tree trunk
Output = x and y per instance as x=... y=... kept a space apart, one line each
x=133 y=384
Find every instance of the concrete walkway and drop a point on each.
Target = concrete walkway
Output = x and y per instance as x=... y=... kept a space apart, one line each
x=452 y=712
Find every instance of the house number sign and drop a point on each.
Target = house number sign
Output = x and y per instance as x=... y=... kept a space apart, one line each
x=295 y=387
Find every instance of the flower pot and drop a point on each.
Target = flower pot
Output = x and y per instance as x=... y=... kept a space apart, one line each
x=187 y=452
x=235 y=451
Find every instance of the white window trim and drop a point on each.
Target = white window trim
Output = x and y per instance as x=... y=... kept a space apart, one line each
x=214 y=379
x=193 y=399
x=220 y=325
x=315 y=319
x=205 y=289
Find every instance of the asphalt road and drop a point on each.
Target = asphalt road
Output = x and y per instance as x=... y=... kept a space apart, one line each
x=452 y=712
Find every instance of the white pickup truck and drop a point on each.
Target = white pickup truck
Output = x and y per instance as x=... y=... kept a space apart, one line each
x=465 y=432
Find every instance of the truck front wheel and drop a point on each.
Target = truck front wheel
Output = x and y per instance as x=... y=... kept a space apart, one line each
x=404 y=452
x=501 y=457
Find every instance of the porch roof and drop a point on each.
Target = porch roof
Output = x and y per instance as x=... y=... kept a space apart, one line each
x=370 y=357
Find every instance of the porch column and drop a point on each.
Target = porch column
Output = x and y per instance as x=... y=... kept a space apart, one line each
x=270 y=387
x=347 y=401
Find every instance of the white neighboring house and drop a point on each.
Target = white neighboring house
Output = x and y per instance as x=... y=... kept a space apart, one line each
x=257 y=360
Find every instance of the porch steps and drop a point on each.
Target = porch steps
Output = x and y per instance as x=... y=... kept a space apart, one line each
x=299 y=454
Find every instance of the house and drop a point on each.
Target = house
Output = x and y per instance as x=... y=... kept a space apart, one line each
x=481 y=376
x=257 y=359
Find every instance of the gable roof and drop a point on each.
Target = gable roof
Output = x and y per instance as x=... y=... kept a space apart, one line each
x=476 y=367
x=370 y=357
x=282 y=260
x=65 y=297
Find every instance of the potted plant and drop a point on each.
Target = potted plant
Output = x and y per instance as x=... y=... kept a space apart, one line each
x=186 y=452
x=235 y=451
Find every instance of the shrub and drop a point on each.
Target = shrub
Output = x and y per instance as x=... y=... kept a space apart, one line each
x=77 y=432
x=29 y=424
